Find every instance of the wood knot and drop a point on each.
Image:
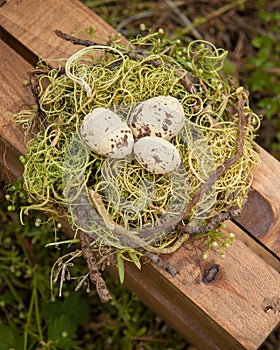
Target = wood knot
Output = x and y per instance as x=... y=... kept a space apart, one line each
x=211 y=274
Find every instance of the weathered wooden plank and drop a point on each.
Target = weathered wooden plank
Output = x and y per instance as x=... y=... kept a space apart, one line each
x=14 y=96
x=224 y=314
x=32 y=22
x=261 y=214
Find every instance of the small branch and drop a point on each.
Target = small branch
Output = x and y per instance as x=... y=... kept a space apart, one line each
x=183 y=18
x=159 y=262
x=214 y=14
x=74 y=40
x=131 y=19
x=94 y=273
x=211 y=225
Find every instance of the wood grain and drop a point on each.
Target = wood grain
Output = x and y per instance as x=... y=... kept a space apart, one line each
x=14 y=96
x=33 y=23
x=228 y=310
x=224 y=314
x=261 y=215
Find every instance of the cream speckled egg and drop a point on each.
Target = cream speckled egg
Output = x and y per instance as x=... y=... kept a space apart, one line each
x=161 y=116
x=104 y=132
x=156 y=155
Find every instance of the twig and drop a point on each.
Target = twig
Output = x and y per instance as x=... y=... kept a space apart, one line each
x=211 y=225
x=129 y=238
x=214 y=14
x=131 y=19
x=183 y=18
x=94 y=273
x=159 y=262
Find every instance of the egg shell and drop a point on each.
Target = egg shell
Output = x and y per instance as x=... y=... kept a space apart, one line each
x=104 y=132
x=161 y=116
x=156 y=155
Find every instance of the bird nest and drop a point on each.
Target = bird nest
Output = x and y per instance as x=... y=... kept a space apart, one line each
x=117 y=202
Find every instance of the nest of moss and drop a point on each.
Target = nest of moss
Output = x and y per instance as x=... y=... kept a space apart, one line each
x=118 y=202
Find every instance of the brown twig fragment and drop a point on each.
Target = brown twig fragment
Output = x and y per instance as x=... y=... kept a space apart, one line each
x=94 y=273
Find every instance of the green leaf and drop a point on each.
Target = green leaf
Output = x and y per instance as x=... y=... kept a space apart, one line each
x=135 y=258
x=74 y=306
x=62 y=332
x=270 y=105
x=120 y=264
x=9 y=339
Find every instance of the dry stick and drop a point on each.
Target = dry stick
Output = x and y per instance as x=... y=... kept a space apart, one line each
x=94 y=273
x=134 y=54
x=131 y=19
x=214 y=14
x=128 y=238
x=183 y=18
x=211 y=225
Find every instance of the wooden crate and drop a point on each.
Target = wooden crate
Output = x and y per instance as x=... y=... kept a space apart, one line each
x=225 y=314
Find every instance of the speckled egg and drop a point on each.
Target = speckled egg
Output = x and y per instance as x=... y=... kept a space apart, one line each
x=161 y=116
x=156 y=155
x=104 y=132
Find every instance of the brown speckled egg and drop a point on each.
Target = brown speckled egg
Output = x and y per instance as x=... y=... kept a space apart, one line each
x=104 y=132
x=161 y=116
x=156 y=155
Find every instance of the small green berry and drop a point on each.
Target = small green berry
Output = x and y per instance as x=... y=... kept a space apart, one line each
x=161 y=31
x=22 y=315
x=18 y=273
x=38 y=222
x=11 y=208
x=8 y=197
x=7 y=241
x=22 y=159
